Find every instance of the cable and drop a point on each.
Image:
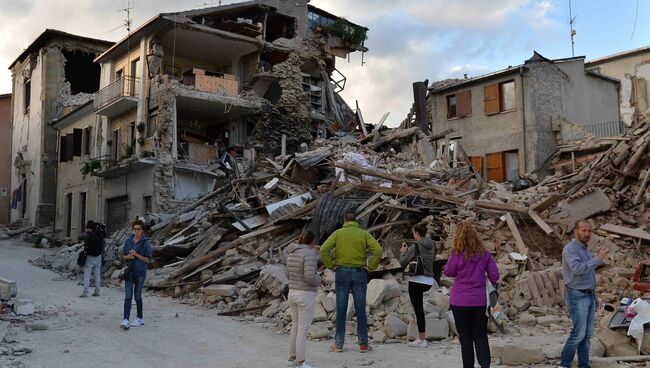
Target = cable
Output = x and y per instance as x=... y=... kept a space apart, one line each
x=636 y=16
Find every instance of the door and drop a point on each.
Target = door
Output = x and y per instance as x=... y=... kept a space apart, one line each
x=494 y=166
x=68 y=215
x=82 y=211
x=116 y=213
x=477 y=164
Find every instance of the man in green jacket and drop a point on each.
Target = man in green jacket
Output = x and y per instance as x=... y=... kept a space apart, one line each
x=351 y=265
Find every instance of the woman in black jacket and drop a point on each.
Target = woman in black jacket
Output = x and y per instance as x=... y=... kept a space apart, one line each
x=419 y=284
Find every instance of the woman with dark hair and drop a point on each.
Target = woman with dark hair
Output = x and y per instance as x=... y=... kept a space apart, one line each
x=419 y=284
x=302 y=269
x=137 y=251
x=468 y=264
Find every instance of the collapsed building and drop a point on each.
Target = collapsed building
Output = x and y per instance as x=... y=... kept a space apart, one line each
x=54 y=74
x=184 y=86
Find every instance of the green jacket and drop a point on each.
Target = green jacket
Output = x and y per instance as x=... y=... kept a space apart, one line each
x=352 y=243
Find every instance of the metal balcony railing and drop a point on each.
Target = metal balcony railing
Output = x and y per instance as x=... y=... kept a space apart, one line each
x=125 y=86
x=606 y=129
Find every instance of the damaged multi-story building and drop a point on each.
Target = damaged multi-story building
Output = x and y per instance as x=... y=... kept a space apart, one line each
x=55 y=73
x=5 y=157
x=184 y=86
x=510 y=122
x=632 y=68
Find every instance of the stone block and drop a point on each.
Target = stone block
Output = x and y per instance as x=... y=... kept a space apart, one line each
x=24 y=307
x=517 y=354
x=319 y=331
x=616 y=343
x=379 y=336
x=394 y=326
x=220 y=290
x=546 y=321
x=392 y=289
x=375 y=292
x=436 y=329
x=328 y=301
x=412 y=330
x=527 y=319
x=320 y=314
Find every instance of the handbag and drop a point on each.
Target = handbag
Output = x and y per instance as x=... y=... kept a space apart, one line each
x=415 y=267
x=81 y=259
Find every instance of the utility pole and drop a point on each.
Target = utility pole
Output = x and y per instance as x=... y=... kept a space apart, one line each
x=572 y=20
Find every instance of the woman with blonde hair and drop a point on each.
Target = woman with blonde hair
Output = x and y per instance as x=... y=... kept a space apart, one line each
x=468 y=264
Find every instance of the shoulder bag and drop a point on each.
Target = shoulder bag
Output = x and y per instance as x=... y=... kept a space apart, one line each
x=415 y=267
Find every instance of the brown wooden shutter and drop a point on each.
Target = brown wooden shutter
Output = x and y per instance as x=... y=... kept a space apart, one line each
x=78 y=141
x=491 y=99
x=494 y=166
x=62 y=149
x=464 y=103
x=69 y=147
x=477 y=164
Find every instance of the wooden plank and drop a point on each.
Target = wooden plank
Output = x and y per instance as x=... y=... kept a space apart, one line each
x=542 y=288
x=627 y=231
x=643 y=186
x=521 y=247
x=362 y=124
x=540 y=222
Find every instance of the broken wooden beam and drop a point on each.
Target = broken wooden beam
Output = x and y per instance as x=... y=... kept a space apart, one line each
x=521 y=247
x=627 y=231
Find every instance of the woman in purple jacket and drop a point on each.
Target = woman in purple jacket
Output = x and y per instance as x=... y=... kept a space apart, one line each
x=468 y=264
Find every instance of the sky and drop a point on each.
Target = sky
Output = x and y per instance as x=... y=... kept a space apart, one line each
x=409 y=40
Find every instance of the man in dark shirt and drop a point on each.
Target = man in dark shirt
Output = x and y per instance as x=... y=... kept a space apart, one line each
x=94 y=247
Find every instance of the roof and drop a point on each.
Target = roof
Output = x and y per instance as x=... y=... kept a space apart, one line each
x=5 y=95
x=448 y=84
x=48 y=35
x=76 y=113
x=618 y=55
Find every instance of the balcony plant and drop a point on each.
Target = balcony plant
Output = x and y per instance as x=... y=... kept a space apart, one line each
x=350 y=34
x=90 y=167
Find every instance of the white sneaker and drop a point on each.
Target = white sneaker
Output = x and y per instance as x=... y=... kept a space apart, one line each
x=137 y=322
x=419 y=343
x=125 y=324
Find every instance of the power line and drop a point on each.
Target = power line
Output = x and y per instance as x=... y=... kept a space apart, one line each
x=636 y=16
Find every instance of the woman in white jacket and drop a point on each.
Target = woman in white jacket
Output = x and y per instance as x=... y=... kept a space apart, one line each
x=302 y=269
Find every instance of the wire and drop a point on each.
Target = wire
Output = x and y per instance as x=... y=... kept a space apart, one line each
x=636 y=16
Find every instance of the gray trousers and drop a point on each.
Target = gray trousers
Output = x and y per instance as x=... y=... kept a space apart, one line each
x=93 y=264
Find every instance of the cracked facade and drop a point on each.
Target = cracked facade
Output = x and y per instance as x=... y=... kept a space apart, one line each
x=53 y=75
x=184 y=86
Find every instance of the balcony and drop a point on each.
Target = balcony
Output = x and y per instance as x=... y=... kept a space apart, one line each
x=118 y=97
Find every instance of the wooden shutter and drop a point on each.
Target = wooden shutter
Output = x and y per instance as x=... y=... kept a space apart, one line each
x=491 y=98
x=69 y=147
x=62 y=149
x=77 y=141
x=494 y=166
x=477 y=164
x=464 y=103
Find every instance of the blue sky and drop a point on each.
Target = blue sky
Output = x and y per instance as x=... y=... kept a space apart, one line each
x=409 y=40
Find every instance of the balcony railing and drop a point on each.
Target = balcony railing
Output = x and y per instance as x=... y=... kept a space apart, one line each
x=606 y=129
x=125 y=86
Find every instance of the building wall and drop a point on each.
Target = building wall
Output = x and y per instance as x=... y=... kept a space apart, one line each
x=190 y=185
x=617 y=68
x=27 y=136
x=70 y=181
x=588 y=99
x=480 y=133
x=136 y=184
x=122 y=122
x=5 y=157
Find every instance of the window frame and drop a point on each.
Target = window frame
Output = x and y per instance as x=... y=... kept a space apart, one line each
x=501 y=99
x=449 y=105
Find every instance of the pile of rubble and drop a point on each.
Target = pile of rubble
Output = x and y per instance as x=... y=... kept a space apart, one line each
x=228 y=248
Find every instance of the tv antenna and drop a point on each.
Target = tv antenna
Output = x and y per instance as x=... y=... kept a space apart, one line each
x=128 y=20
x=572 y=20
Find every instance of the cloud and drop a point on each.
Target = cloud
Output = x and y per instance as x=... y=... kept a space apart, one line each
x=409 y=40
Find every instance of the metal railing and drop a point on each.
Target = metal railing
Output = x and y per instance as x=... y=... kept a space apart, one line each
x=125 y=86
x=606 y=129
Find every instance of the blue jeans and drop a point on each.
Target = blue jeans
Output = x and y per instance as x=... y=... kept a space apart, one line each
x=133 y=285
x=353 y=279
x=582 y=310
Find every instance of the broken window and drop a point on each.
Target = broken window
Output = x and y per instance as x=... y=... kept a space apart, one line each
x=81 y=71
x=511 y=160
x=500 y=97
x=146 y=205
x=279 y=26
x=451 y=106
x=313 y=87
x=315 y=20
x=27 y=94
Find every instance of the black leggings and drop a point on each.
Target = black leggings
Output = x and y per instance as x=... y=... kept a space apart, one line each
x=416 y=291
x=471 y=323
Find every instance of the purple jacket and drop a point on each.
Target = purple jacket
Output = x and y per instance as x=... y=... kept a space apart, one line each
x=468 y=289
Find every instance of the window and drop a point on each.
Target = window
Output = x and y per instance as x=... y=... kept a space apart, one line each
x=451 y=106
x=152 y=124
x=500 y=97
x=63 y=149
x=511 y=160
x=132 y=135
x=459 y=105
x=119 y=74
x=115 y=145
x=82 y=210
x=77 y=141
x=146 y=205
x=27 y=95
x=86 y=140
